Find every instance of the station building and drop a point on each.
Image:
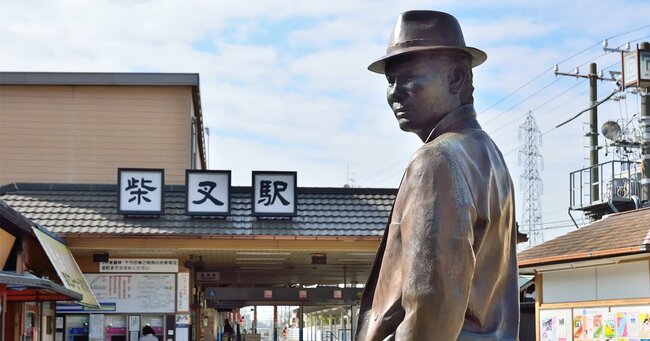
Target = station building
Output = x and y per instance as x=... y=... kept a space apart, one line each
x=73 y=146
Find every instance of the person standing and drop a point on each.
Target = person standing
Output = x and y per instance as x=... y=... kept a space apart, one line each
x=148 y=334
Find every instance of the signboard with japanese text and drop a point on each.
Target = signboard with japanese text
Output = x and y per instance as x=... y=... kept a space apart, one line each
x=139 y=265
x=207 y=192
x=134 y=292
x=141 y=191
x=66 y=267
x=183 y=291
x=96 y=327
x=274 y=193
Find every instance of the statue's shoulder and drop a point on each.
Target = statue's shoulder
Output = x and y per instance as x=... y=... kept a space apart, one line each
x=436 y=153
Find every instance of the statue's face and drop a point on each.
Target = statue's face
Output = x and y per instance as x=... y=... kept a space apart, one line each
x=419 y=92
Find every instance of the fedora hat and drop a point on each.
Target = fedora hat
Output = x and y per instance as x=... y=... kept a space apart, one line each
x=417 y=31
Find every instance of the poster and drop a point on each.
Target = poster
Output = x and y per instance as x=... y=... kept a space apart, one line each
x=578 y=327
x=633 y=324
x=549 y=329
x=644 y=325
x=594 y=327
x=555 y=325
x=621 y=324
x=562 y=324
x=610 y=325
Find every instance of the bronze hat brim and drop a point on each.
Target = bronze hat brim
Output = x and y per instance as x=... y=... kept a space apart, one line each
x=379 y=66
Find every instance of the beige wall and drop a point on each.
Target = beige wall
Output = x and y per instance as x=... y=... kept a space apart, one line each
x=82 y=134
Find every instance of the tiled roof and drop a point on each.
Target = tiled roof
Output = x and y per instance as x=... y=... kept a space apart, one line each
x=92 y=209
x=617 y=234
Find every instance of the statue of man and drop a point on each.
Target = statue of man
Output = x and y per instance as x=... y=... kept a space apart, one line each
x=446 y=268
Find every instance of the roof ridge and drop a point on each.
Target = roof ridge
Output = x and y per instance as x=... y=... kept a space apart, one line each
x=16 y=186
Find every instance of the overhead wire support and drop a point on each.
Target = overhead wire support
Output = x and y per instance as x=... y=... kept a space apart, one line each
x=531 y=181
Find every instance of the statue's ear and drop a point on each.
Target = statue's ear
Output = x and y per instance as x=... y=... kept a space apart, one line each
x=457 y=78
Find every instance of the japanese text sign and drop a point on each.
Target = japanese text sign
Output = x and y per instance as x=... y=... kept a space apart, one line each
x=274 y=193
x=66 y=267
x=156 y=265
x=207 y=192
x=141 y=191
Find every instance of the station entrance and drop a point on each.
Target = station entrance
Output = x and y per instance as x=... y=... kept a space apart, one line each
x=283 y=323
x=308 y=292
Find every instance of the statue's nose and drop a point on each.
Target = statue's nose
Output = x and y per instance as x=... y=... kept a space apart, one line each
x=395 y=93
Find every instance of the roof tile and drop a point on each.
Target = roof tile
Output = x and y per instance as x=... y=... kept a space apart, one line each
x=93 y=209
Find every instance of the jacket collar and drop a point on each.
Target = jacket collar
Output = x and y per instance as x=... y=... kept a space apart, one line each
x=463 y=117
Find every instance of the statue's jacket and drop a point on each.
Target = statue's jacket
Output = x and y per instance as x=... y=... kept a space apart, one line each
x=446 y=267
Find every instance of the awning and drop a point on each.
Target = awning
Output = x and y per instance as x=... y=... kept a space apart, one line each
x=25 y=288
x=66 y=267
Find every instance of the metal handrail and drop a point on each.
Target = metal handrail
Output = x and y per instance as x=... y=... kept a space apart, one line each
x=605 y=187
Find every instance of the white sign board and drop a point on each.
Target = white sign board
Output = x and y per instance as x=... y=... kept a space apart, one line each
x=644 y=64
x=139 y=265
x=182 y=327
x=183 y=292
x=135 y=293
x=274 y=193
x=96 y=327
x=207 y=192
x=134 y=323
x=141 y=191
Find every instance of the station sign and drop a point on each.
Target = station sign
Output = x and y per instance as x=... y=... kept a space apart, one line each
x=141 y=191
x=207 y=192
x=274 y=193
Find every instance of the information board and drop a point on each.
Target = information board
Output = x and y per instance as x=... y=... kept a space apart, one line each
x=136 y=293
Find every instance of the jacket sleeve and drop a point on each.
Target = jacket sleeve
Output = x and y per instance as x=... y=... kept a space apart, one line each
x=438 y=258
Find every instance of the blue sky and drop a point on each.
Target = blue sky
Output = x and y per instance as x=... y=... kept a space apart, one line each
x=284 y=83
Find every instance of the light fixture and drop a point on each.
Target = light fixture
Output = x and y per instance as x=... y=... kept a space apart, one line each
x=319 y=258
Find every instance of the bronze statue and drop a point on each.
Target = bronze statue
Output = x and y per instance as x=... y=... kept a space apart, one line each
x=446 y=268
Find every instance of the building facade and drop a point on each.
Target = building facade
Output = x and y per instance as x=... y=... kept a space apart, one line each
x=63 y=138
x=594 y=283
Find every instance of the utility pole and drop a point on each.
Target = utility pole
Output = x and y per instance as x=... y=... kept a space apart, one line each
x=593 y=132
x=645 y=146
x=593 y=77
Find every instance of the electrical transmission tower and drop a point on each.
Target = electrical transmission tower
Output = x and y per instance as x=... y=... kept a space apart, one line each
x=531 y=182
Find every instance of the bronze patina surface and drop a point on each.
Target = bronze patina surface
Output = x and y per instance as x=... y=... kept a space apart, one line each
x=446 y=268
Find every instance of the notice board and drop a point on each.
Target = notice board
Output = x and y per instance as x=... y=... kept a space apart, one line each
x=135 y=293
